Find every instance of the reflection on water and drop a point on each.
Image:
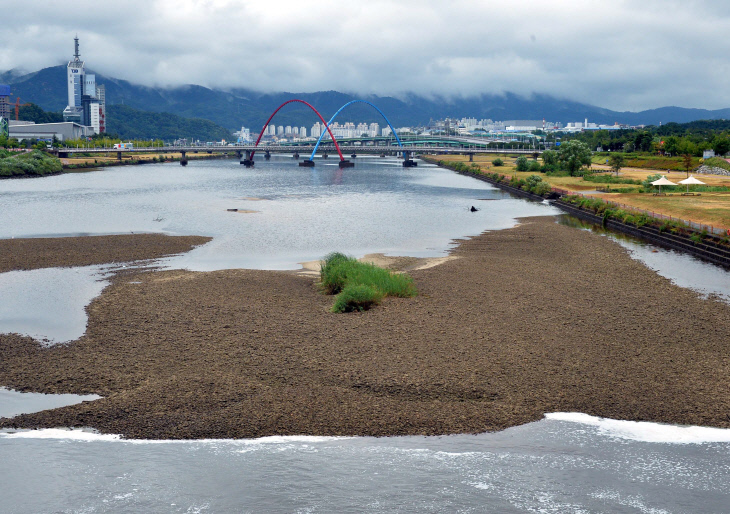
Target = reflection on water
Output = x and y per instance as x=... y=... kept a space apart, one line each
x=681 y=268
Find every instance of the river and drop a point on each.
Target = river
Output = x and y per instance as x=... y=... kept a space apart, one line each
x=568 y=462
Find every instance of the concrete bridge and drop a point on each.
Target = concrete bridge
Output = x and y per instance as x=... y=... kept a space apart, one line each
x=244 y=151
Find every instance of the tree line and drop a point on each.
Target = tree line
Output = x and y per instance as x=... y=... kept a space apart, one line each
x=672 y=139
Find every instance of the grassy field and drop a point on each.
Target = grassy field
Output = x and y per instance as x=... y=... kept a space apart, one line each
x=708 y=208
x=649 y=162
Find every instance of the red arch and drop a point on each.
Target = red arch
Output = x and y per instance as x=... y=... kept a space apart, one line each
x=315 y=111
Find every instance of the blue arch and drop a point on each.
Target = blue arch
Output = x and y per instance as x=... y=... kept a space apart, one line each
x=311 y=157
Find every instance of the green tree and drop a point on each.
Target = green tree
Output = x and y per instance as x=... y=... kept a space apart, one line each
x=573 y=155
x=616 y=161
x=521 y=163
x=721 y=145
x=550 y=157
x=671 y=145
x=643 y=141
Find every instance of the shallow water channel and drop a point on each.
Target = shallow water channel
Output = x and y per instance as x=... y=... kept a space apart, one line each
x=287 y=215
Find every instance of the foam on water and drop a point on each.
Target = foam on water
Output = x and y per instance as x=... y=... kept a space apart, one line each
x=80 y=434
x=60 y=433
x=641 y=431
x=644 y=431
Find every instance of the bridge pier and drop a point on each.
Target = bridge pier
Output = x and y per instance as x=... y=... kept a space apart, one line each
x=248 y=162
x=471 y=157
x=296 y=155
x=307 y=163
x=239 y=154
x=119 y=156
x=407 y=161
x=325 y=155
x=344 y=163
x=183 y=159
x=353 y=156
x=267 y=155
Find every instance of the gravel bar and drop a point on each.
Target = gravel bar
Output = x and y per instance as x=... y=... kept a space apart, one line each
x=535 y=319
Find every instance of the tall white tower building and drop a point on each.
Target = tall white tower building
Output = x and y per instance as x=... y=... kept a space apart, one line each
x=75 y=82
x=84 y=106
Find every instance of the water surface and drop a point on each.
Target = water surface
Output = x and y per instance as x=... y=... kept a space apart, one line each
x=13 y=403
x=565 y=463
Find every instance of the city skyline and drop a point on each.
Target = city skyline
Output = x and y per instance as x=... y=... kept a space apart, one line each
x=621 y=56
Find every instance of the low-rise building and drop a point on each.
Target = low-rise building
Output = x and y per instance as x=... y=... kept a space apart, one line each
x=63 y=131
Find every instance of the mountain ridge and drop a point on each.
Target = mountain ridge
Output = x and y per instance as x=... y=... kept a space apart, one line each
x=236 y=107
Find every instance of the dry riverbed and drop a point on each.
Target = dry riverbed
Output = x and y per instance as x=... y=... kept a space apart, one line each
x=535 y=319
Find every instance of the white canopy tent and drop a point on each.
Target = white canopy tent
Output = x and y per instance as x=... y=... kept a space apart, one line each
x=691 y=180
x=664 y=181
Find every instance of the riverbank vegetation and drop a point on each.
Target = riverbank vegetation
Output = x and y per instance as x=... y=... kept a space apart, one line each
x=671 y=139
x=360 y=285
x=709 y=206
x=15 y=164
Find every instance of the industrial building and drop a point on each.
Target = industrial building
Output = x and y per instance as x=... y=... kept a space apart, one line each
x=63 y=131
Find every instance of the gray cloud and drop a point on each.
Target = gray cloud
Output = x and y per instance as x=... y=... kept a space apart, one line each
x=625 y=55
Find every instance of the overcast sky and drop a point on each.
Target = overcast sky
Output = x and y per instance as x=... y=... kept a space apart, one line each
x=622 y=55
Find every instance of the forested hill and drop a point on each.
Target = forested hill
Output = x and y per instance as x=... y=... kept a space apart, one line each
x=699 y=127
x=32 y=112
x=129 y=123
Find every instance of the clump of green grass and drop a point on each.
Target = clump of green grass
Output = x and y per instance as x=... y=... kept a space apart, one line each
x=357 y=297
x=360 y=285
x=333 y=272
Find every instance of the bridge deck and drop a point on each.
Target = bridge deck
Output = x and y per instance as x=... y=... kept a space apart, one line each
x=346 y=149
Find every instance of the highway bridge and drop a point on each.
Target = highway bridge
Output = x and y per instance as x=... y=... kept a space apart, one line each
x=352 y=148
